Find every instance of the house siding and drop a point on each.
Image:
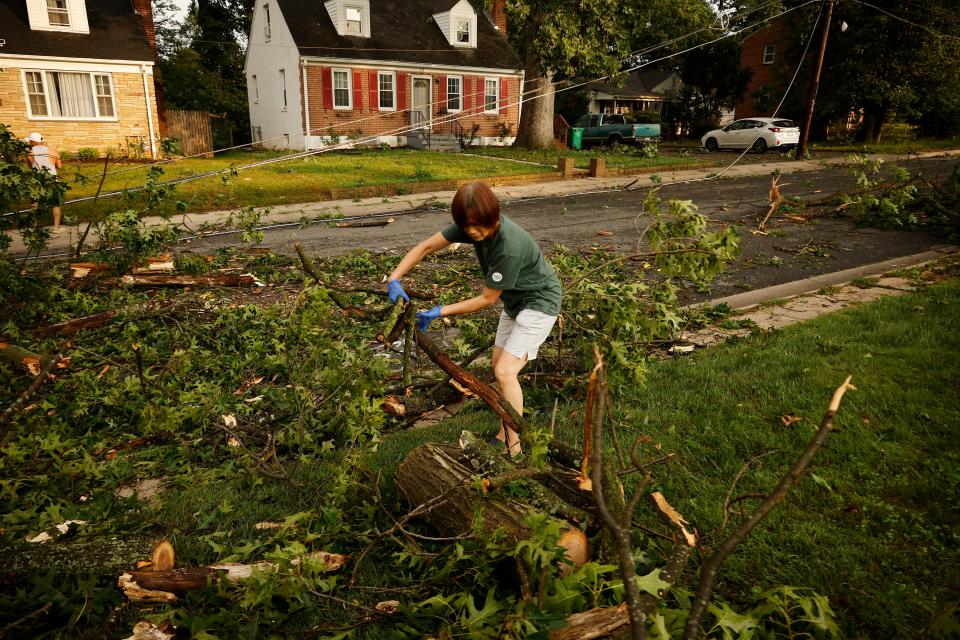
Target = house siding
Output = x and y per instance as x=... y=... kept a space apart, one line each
x=71 y=135
x=764 y=76
x=278 y=128
x=370 y=124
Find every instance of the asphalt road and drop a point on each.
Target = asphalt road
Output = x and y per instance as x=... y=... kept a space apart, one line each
x=792 y=251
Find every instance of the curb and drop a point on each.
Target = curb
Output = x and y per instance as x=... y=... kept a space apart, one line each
x=750 y=299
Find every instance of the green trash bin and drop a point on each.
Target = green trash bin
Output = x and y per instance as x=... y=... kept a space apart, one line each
x=576 y=138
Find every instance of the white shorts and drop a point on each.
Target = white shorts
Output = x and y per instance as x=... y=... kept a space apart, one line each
x=523 y=335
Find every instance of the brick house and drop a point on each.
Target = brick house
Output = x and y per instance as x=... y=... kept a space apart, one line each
x=80 y=72
x=763 y=52
x=391 y=72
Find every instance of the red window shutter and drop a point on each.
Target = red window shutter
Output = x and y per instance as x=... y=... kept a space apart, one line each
x=479 y=87
x=442 y=96
x=326 y=81
x=467 y=98
x=357 y=90
x=402 y=91
x=503 y=96
x=374 y=91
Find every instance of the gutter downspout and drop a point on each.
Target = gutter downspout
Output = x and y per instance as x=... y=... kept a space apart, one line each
x=146 y=98
x=306 y=106
x=523 y=74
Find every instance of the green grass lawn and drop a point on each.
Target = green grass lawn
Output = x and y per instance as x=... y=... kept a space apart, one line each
x=289 y=182
x=311 y=179
x=622 y=157
x=899 y=146
x=874 y=523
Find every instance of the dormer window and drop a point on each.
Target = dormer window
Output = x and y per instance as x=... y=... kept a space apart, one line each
x=69 y=16
x=463 y=32
x=354 y=21
x=350 y=17
x=459 y=24
x=57 y=13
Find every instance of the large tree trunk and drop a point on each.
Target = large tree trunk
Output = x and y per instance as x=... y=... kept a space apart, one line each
x=436 y=469
x=536 y=118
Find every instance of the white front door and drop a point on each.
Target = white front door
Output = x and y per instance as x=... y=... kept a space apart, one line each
x=421 y=101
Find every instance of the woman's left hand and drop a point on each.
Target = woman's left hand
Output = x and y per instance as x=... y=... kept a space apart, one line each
x=424 y=318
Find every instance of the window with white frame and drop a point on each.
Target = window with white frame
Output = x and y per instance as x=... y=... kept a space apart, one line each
x=454 y=92
x=491 y=94
x=266 y=24
x=769 y=53
x=69 y=95
x=386 y=86
x=341 y=89
x=463 y=31
x=354 y=21
x=283 y=86
x=255 y=89
x=57 y=13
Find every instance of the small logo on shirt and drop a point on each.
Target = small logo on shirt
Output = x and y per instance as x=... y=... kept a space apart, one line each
x=497 y=276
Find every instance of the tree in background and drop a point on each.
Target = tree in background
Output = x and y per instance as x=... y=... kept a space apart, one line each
x=712 y=81
x=564 y=39
x=201 y=62
x=884 y=68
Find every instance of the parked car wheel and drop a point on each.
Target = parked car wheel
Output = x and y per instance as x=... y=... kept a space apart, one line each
x=614 y=139
x=711 y=145
x=760 y=146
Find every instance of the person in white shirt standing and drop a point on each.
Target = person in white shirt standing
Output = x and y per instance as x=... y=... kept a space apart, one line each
x=44 y=158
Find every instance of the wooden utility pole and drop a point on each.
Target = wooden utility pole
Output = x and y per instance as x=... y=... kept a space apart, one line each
x=814 y=85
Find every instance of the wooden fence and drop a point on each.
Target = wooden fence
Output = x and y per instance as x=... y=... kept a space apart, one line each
x=192 y=129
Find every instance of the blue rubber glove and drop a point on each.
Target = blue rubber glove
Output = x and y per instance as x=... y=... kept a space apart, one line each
x=395 y=290
x=424 y=318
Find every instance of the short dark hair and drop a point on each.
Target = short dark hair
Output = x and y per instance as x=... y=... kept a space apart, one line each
x=475 y=205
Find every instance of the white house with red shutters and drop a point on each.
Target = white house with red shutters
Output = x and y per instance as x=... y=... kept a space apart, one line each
x=395 y=72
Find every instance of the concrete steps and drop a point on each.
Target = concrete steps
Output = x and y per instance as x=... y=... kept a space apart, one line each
x=438 y=142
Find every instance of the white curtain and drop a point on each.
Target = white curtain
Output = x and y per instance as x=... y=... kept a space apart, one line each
x=72 y=95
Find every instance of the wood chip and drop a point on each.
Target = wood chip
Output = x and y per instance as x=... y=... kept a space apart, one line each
x=392 y=406
x=671 y=516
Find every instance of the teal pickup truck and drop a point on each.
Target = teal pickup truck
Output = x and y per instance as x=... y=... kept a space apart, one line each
x=612 y=128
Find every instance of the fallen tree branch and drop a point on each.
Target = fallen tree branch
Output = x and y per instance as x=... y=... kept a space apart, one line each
x=21 y=402
x=212 y=280
x=708 y=571
x=164 y=586
x=619 y=533
x=484 y=391
x=27 y=618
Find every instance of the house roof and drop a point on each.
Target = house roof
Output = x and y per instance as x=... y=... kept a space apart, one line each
x=401 y=31
x=116 y=33
x=634 y=85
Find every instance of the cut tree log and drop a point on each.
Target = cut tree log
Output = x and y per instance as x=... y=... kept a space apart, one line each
x=100 y=555
x=165 y=586
x=213 y=280
x=435 y=469
x=20 y=358
x=484 y=391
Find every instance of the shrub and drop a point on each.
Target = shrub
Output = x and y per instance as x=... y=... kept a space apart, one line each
x=644 y=117
x=88 y=153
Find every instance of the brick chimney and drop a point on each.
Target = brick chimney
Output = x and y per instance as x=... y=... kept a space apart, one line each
x=144 y=9
x=499 y=15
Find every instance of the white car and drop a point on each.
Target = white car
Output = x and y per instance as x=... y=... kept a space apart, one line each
x=758 y=134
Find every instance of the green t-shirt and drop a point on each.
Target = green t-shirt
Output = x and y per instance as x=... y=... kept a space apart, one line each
x=512 y=263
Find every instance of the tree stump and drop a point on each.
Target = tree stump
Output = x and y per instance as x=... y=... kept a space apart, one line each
x=435 y=468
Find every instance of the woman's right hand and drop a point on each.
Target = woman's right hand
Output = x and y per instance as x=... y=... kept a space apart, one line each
x=395 y=291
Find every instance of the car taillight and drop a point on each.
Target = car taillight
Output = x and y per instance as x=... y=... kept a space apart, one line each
x=775 y=129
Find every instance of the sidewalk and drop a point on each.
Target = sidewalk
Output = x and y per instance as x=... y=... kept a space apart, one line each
x=293 y=213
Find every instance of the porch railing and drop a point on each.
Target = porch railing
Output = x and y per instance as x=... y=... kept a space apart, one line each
x=421 y=123
x=449 y=125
